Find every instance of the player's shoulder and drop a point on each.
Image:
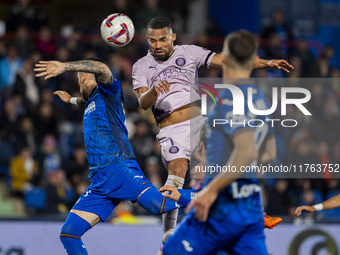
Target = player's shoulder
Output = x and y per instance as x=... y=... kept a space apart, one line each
x=189 y=46
x=141 y=61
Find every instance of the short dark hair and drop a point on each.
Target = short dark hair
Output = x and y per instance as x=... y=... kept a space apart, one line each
x=159 y=23
x=96 y=59
x=241 y=47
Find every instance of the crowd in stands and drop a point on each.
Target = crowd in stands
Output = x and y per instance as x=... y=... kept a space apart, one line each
x=41 y=139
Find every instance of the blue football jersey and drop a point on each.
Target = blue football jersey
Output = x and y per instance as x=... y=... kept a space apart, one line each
x=219 y=146
x=105 y=133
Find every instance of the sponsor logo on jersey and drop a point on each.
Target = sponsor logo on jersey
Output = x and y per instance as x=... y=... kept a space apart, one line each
x=171 y=72
x=180 y=61
x=245 y=190
x=187 y=246
x=90 y=108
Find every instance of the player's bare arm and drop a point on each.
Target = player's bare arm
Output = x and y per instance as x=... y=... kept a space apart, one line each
x=268 y=150
x=148 y=97
x=51 y=69
x=66 y=98
x=217 y=61
x=331 y=203
x=244 y=153
x=273 y=64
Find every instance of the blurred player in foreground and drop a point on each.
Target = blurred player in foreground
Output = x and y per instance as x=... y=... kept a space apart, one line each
x=331 y=203
x=114 y=172
x=227 y=213
x=164 y=80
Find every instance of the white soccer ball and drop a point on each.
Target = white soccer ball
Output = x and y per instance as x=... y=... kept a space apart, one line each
x=117 y=30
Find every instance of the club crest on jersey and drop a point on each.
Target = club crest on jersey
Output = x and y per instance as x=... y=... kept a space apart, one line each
x=173 y=149
x=180 y=61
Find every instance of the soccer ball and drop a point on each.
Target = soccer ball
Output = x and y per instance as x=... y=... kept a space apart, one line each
x=117 y=30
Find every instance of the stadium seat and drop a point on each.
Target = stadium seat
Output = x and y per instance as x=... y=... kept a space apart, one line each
x=35 y=200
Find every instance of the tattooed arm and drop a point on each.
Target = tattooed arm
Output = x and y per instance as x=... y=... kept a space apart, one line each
x=51 y=69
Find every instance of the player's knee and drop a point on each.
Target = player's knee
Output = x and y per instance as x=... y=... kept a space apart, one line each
x=74 y=226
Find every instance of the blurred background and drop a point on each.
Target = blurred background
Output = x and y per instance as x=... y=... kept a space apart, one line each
x=43 y=166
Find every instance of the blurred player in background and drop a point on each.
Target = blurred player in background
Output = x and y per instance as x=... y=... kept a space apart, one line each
x=163 y=80
x=227 y=213
x=331 y=203
x=114 y=172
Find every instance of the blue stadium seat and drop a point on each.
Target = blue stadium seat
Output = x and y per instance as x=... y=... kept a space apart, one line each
x=35 y=199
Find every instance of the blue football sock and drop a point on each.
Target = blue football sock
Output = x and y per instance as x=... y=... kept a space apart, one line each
x=71 y=232
x=155 y=202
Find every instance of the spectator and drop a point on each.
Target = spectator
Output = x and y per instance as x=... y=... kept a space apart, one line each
x=22 y=14
x=152 y=171
x=142 y=142
x=27 y=135
x=49 y=158
x=77 y=167
x=45 y=43
x=23 y=42
x=24 y=172
x=281 y=29
x=58 y=190
x=45 y=121
x=9 y=121
x=26 y=86
x=320 y=68
x=278 y=199
x=9 y=67
x=149 y=11
x=306 y=56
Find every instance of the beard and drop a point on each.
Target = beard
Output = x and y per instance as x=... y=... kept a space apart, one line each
x=84 y=95
x=161 y=57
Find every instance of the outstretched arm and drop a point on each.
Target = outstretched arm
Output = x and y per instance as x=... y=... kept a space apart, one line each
x=331 y=203
x=51 y=69
x=216 y=61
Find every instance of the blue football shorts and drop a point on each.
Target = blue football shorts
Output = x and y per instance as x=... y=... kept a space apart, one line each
x=110 y=185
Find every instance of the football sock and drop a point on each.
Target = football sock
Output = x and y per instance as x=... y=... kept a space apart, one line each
x=170 y=218
x=71 y=232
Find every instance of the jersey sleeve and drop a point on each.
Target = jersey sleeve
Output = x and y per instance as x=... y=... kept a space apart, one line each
x=113 y=88
x=139 y=74
x=201 y=55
